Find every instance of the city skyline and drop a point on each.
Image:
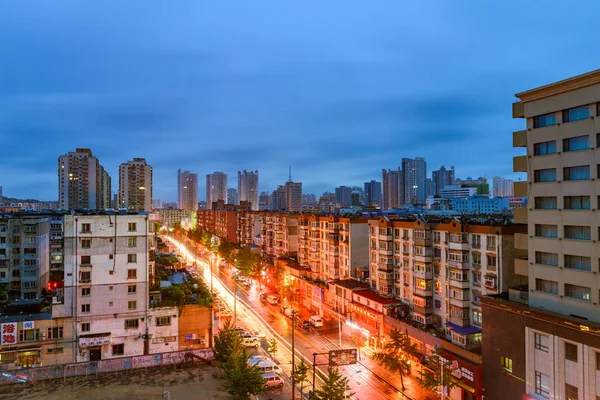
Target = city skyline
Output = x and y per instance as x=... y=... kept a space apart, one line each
x=373 y=80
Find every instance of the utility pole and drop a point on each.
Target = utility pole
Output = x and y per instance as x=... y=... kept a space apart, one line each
x=293 y=356
x=314 y=371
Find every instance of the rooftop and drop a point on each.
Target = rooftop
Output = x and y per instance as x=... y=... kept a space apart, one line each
x=565 y=85
x=350 y=284
x=25 y=317
x=374 y=296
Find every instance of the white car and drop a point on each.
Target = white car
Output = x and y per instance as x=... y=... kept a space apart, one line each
x=257 y=359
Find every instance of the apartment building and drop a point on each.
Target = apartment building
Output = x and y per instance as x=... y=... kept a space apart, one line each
x=135 y=185
x=82 y=181
x=108 y=266
x=441 y=269
x=551 y=346
x=248 y=187
x=171 y=218
x=24 y=254
x=393 y=188
x=187 y=190
x=216 y=188
x=415 y=173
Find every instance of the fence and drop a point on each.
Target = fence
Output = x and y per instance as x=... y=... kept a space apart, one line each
x=31 y=375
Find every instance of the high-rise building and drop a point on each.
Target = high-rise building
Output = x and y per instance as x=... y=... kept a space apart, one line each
x=429 y=187
x=105 y=187
x=232 y=196
x=343 y=196
x=392 y=188
x=502 y=187
x=248 y=187
x=278 y=198
x=415 y=173
x=187 y=190
x=372 y=194
x=551 y=347
x=80 y=181
x=265 y=201
x=441 y=178
x=293 y=196
x=216 y=188
x=135 y=185
x=1 y=198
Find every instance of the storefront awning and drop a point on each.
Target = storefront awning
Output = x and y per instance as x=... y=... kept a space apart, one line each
x=463 y=330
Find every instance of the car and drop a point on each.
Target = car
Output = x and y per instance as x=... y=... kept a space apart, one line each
x=302 y=323
x=251 y=342
x=287 y=311
x=256 y=359
x=316 y=321
x=246 y=335
x=272 y=299
x=272 y=380
x=263 y=295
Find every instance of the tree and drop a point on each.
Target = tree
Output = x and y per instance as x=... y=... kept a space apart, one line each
x=397 y=353
x=434 y=370
x=226 y=250
x=301 y=376
x=246 y=261
x=334 y=387
x=227 y=343
x=272 y=349
x=244 y=380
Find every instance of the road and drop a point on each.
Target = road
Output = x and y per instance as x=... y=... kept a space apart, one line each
x=267 y=321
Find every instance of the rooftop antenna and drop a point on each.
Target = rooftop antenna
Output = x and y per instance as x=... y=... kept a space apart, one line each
x=290 y=175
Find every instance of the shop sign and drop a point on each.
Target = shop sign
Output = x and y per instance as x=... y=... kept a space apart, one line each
x=459 y=369
x=94 y=341
x=9 y=333
x=29 y=325
x=342 y=357
x=165 y=339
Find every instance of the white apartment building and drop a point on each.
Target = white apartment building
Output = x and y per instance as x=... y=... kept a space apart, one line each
x=187 y=190
x=248 y=188
x=502 y=187
x=108 y=271
x=135 y=185
x=216 y=188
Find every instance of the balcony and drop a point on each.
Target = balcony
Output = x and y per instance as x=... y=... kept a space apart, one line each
x=459 y=321
x=385 y=238
x=460 y=303
x=521 y=266
x=520 y=138
x=385 y=266
x=423 y=241
x=458 y=242
x=520 y=215
x=459 y=283
x=457 y=264
x=427 y=274
x=423 y=310
x=386 y=252
x=520 y=164
x=425 y=258
x=518 y=109
x=520 y=189
x=423 y=292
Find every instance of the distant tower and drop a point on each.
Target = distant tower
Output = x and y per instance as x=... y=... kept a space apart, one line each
x=135 y=185
x=187 y=190
x=248 y=187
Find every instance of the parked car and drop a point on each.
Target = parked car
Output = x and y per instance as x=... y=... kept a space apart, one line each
x=316 y=321
x=302 y=323
x=251 y=342
x=256 y=359
x=272 y=380
x=287 y=311
x=272 y=299
x=268 y=366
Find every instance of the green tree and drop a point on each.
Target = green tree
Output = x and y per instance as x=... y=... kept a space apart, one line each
x=434 y=370
x=301 y=376
x=272 y=349
x=226 y=250
x=397 y=353
x=243 y=380
x=206 y=239
x=334 y=387
x=227 y=343
x=246 y=261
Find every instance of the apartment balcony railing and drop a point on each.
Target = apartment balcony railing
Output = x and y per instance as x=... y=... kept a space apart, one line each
x=423 y=292
x=457 y=264
x=423 y=241
x=459 y=283
x=462 y=303
x=459 y=321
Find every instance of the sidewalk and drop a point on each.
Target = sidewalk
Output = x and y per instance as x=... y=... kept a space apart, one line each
x=412 y=389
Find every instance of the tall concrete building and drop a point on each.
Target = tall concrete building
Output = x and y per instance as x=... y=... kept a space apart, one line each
x=216 y=188
x=502 y=187
x=135 y=185
x=414 y=173
x=343 y=196
x=232 y=196
x=278 y=199
x=80 y=181
x=105 y=188
x=551 y=347
x=248 y=187
x=187 y=190
x=372 y=193
x=441 y=178
x=393 y=192
x=293 y=196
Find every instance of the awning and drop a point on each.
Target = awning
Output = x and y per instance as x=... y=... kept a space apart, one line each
x=463 y=330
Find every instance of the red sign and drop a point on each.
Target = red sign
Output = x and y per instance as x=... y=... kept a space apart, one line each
x=9 y=333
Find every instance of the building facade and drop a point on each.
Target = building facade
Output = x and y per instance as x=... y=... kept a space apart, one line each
x=187 y=190
x=343 y=196
x=293 y=197
x=248 y=187
x=479 y=204
x=80 y=181
x=135 y=185
x=232 y=196
x=502 y=187
x=441 y=178
x=372 y=194
x=393 y=188
x=216 y=188
x=415 y=173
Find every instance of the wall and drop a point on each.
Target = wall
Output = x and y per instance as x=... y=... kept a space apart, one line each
x=195 y=320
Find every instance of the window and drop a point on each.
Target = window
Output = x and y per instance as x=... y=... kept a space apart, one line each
x=86 y=291
x=131 y=258
x=578 y=292
x=86 y=260
x=86 y=228
x=132 y=274
x=546 y=286
x=571 y=392
x=86 y=243
x=545 y=175
x=28 y=335
x=576 y=143
x=131 y=289
x=491 y=241
x=570 y=352
x=541 y=342
x=477 y=317
x=132 y=227
x=544 y=148
x=577 y=232
x=131 y=242
x=476 y=258
x=578 y=173
x=476 y=278
x=85 y=308
x=29 y=250
x=163 y=321
x=544 y=258
x=506 y=363
x=85 y=276
x=85 y=327
x=55 y=333
x=547 y=231
x=576 y=114
x=118 y=349
x=544 y=120
x=131 y=305
x=577 y=202
x=542 y=385
x=491 y=261
x=545 y=203
x=578 y=262
x=131 y=323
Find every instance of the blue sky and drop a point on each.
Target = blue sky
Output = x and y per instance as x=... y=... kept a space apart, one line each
x=336 y=90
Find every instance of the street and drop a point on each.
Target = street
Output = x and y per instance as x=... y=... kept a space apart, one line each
x=266 y=321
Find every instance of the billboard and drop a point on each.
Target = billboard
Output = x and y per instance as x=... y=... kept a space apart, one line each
x=342 y=357
x=9 y=333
